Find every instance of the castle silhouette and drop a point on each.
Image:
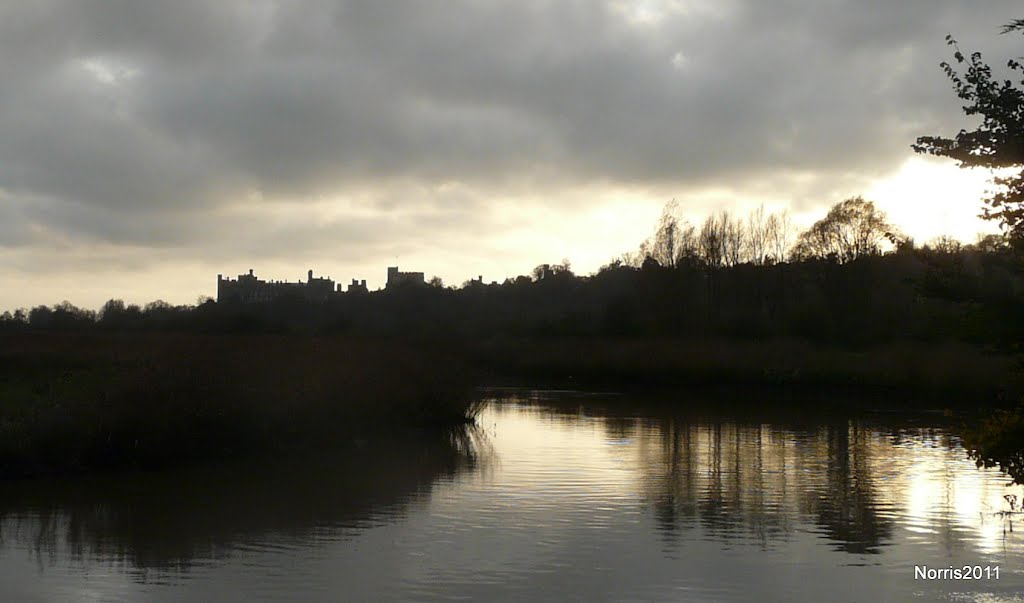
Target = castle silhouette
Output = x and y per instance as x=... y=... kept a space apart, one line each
x=247 y=288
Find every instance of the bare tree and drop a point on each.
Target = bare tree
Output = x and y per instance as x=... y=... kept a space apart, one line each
x=779 y=232
x=688 y=245
x=712 y=242
x=633 y=259
x=722 y=240
x=734 y=239
x=673 y=242
x=663 y=247
x=757 y=236
x=945 y=244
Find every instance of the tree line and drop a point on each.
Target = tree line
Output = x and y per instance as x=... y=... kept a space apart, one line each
x=849 y=278
x=852 y=276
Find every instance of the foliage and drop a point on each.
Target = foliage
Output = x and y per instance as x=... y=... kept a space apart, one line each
x=999 y=441
x=991 y=243
x=998 y=143
x=852 y=228
x=1014 y=25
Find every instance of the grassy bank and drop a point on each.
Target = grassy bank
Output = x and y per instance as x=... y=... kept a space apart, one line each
x=924 y=370
x=75 y=403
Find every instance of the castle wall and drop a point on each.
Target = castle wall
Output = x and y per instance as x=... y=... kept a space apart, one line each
x=398 y=278
x=249 y=289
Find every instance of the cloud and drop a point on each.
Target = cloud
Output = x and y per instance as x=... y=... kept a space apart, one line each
x=188 y=125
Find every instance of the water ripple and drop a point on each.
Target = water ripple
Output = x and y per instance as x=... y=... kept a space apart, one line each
x=558 y=497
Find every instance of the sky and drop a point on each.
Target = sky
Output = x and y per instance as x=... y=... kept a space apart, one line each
x=146 y=147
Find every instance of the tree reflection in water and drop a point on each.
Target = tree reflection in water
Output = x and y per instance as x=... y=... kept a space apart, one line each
x=740 y=482
x=847 y=509
x=997 y=440
x=167 y=520
x=572 y=479
x=760 y=479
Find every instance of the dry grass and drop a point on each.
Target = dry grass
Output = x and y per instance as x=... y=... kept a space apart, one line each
x=75 y=402
x=906 y=366
x=69 y=403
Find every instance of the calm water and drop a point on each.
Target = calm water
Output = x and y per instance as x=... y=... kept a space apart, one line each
x=552 y=497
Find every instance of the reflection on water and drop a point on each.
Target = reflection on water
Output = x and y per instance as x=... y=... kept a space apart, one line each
x=156 y=528
x=745 y=481
x=552 y=496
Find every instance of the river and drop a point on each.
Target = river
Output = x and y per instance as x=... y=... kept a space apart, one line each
x=552 y=496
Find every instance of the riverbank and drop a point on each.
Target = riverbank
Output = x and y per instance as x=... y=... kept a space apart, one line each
x=958 y=373
x=77 y=403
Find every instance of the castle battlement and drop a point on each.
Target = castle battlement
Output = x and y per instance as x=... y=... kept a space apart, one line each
x=398 y=278
x=247 y=288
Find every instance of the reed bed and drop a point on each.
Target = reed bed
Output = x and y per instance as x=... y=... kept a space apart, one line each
x=72 y=403
x=953 y=369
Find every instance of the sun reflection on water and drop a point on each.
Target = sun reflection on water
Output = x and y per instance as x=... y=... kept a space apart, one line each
x=860 y=484
x=551 y=496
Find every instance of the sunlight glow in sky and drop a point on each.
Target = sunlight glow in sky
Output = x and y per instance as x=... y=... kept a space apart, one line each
x=928 y=198
x=147 y=147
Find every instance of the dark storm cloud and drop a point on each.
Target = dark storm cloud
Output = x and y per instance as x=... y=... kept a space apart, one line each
x=136 y=122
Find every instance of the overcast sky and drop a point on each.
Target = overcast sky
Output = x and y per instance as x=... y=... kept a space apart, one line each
x=147 y=146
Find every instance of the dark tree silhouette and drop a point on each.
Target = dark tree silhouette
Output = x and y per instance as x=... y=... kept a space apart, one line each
x=39 y=317
x=852 y=228
x=713 y=239
x=674 y=242
x=997 y=441
x=990 y=243
x=998 y=143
